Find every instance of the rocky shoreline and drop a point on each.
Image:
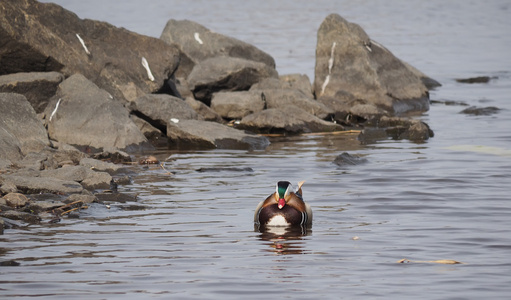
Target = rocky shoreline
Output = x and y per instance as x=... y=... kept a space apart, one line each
x=78 y=96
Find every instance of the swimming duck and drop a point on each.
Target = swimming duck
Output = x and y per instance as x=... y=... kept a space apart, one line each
x=285 y=207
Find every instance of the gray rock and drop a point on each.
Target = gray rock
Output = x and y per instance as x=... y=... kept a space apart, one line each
x=285 y=98
x=347 y=60
x=204 y=111
x=21 y=131
x=74 y=173
x=158 y=109
x=85 y=199
x=197 y=43
x=299 y=82
x=205 y=134
x=403 y=128
x=34 y=185
x=97 y=180
x=21 y=216
x=236 y=105
x=290 y=120
x=41 y=37
x=102 y=166
x=345 y=159
x=84 y=115
x=226 y=73
x=42 y=206
x=37 y=87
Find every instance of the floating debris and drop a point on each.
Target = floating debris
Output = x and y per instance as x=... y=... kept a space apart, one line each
x=197 y=38
x=145 y=64
x=83 y=44
x=440 y=261
x=55 y=110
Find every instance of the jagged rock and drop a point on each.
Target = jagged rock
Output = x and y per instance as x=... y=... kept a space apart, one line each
x=34 y=185
x=41 y=37
x=299 y=82
x=197 y=43
x=158 y=109
x=289 y=120
x=204 y=111
x=348 y=60
x=21 y=131
x=85 y=199
x=236 y=105
x=37 y=87
x=83 y=114
x=205 y=134
x=102 y=166
x=285 y=98
x=402 y=128
x=21 y=216
x=226 y=73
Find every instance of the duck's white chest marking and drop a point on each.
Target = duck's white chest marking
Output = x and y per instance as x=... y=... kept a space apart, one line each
x=278 y=220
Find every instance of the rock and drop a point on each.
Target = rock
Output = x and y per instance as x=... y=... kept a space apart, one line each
x=8 y=187
x=205 y=134
x=347 y=60
x=85 y=199
x=401 y=128
x=113 y=155
x=97 y=180
x=21 y=216
x=429 y=82
x=116 y=197
x=289 y=120
x=226 y=73
x=21 y=131
x=204 y=111
x=37 y=87
x=34 y=185
x=285 y=98
x=153 y=134
x=299 y=82
x=479 y=79
x=101 y=166
x=197 y=43
x=236 y=105
x=88 y=178
x=158 y=109
x=480 y=111
x=42 y=37
x=15 y=200
x=87 y=116
x=348 y=159
x=42 y=206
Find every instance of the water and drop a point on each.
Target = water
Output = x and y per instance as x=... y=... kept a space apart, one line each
x=447 y=198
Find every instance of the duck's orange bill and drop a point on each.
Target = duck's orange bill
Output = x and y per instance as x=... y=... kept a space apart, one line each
x=282 y=202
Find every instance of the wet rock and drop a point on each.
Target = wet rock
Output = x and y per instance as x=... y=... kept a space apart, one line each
x=8 y=263
x=88 y=178
x=83 y=114
x=347 y=159
x=85 y=199
x=226 y=74
x=285 y=98
x=103 y=166
x=38 y=207
x=347 y=60
x=116 y=197
x=15 y=200
x=113 y=155
x=479 y=79
x=158 y=109
x=402 y=128
x=197 y=43
x=236 y=105
x=205 y=134
x=21 y=131
x=37 y=87
x=35 y=185
x=21 y=216
x=289 y=120
x=204 y=111
x=40 y=37
x=480 y=111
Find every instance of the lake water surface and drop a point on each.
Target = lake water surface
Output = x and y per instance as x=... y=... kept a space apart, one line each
x=191 y=234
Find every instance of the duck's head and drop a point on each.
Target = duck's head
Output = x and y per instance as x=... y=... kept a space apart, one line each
x=283 y=193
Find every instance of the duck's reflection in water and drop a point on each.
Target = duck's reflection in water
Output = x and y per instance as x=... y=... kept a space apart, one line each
x=284 y=240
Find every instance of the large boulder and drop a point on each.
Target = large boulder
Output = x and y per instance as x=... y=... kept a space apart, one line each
x=236 y=105
x=21 y=131
x=84 y=115
x=205 y=134
x=286 y=120
x=299 y=82
x=158 y=109
x=197 y=43
x=37 y=87
x=42 y=37
x=226 y=73
x=348 y=61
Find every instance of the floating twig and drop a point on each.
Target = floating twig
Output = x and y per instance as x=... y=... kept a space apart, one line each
x=163 y=167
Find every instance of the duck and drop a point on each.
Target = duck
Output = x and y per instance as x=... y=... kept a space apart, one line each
x=285 y=207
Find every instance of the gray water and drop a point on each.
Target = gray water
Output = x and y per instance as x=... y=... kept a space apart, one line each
x=193 y=237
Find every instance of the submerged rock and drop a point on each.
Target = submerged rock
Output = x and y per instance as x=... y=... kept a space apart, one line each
x=480 y=111
x=347 y=159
